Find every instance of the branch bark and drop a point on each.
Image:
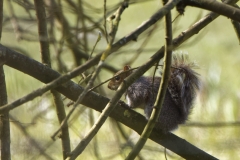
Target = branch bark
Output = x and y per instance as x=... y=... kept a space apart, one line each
x=4 y=120
x=107 y=110
x=4 y=117
x=95 y=101
x=161 y=92
x=45 y=54
x=217 y=7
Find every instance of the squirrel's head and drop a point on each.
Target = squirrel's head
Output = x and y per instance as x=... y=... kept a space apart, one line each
x=118 y=77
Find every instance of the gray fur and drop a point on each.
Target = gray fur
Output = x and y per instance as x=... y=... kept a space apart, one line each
x=179 y=97
x=181 y=92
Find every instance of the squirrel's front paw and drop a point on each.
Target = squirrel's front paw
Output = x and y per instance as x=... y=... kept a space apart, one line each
x=123 y=104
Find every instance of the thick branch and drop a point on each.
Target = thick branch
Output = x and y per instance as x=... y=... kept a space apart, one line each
x=107 y=110
x=94 y=60
x=4 y=120
x=95 y=101
x=161 y=92
x=236 y=25
x=217 y=7
x=4 y=117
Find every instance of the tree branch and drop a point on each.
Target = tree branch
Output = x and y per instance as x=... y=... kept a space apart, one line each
x=4 y=117
x=107 y=110
x=45 y=54
x=236 y=26
x=161 y=92
x=217 y=7
x=95 y=101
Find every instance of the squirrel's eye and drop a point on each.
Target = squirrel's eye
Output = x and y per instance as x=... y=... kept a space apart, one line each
x=117 y=78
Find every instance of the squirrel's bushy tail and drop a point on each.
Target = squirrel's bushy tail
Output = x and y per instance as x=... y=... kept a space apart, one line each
x=183 y=83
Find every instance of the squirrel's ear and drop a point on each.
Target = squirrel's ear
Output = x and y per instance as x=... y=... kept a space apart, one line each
x=126 y=68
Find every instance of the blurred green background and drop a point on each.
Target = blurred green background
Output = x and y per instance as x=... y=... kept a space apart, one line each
x=215 y=49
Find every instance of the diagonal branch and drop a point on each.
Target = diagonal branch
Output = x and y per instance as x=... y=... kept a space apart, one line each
x=236 y=25
x=217 y=7
x=102 y=118
x=45 y=54
x=97 y=102
x=158 y=15
x=161 y=92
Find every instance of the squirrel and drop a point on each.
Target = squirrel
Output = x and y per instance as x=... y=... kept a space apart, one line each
x=181 y=92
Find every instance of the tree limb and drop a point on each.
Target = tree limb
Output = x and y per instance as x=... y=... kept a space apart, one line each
x=97 y=102
x=45 y=54
x=217 y=7
x=4 y=117
x=161 y=91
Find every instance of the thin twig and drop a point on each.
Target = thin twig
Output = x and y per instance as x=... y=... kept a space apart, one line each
x=111 y=78
x=105 y=20
x=185 y=35
x=126 y=138
x=14 y=21
x=84 y=28
x=45 y=54
x=165 y=153
x=64 y=78
x=102 y=118
x=79 y=100
x=98 y=39
x=32 y=141
x=161 y=92
x=179 y=40
x=116 y=20
x=80 y=148
x=51 y=85
x=144 y=43
x=68 y=35
x=95 y=140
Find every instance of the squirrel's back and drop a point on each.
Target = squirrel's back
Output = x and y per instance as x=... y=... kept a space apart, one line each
x=181 y=92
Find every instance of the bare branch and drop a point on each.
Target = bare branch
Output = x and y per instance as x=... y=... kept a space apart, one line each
x=45 y=54
x=105 y=20
x=95 y=101
x=71 y=90
x=161 y=92
x=217 y=7
x=236 y=25
x=107 y=110
x=16 y=27
x=4 y=117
